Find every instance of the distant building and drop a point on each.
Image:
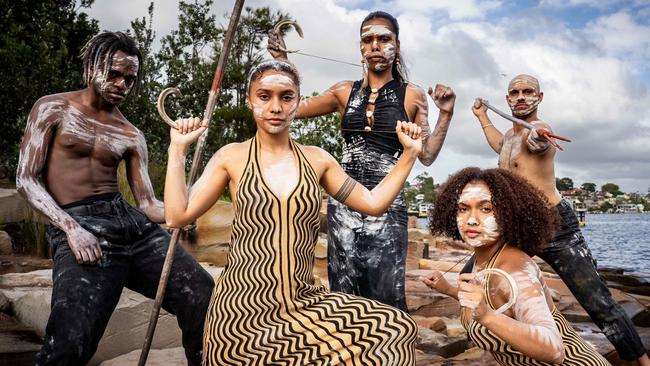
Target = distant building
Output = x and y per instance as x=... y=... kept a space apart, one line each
x=629 y=208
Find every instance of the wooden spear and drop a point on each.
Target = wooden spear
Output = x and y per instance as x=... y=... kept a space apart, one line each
x=207 y=116
x=546 y=134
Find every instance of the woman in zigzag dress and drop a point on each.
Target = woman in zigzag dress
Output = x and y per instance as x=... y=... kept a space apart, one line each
x=266 y=308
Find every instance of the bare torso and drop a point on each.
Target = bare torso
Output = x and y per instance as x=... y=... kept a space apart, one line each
x=85 y=151
x=538 y=169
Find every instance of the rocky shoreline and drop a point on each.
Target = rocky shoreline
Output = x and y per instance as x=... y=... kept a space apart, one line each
x=25 y=291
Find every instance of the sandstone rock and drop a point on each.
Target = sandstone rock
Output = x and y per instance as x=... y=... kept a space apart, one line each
x=215 y=226
x=419 y=234
x=592 y=335
x=216 y=254
x=156 y=357
x=440 y=344
x=322 y=216
x=412 y=222
x=320 y=251
x=5 y=304
x=433 y=323
x=423 y=358
x=213 y=270
x=473 y=353
x=18 y=348
x=13 y=207
x=320 y=273
x=441 y=265
x=454 y=327
x=443 y=307
x=40 y=278
x=414 y=254
x=125 y=331
x=5 y=243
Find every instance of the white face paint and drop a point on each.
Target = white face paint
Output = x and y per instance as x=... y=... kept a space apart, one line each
x=523 y=95
x=475 y=218
x=115 y=84
x=378 y=46
x=274 y=100
x=281 y=79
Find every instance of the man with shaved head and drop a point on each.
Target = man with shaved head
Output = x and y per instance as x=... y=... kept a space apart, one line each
x=529 y=154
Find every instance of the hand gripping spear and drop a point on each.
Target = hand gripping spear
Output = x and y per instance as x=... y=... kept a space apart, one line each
x=546 y=134
x=207 y=117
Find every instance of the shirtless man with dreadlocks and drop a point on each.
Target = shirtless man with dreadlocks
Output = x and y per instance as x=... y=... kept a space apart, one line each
x=69 y=156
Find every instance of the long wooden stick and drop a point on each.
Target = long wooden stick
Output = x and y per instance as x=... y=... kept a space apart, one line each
x=207 y=116
x=542 y=132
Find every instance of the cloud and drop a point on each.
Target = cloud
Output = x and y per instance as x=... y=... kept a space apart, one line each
x=593 y=76
x=620 y=35
x=599 y=4
x=455 y=9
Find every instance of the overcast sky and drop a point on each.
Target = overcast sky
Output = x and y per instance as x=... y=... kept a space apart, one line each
x=591 y=57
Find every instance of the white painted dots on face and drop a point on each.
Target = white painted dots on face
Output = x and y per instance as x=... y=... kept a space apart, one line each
x=475 y=216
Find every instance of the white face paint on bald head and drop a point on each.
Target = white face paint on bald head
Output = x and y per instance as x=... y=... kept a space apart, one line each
x=476 y=225
x=522 y=103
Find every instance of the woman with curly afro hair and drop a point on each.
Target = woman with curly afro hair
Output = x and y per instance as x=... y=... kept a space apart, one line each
x=505 y=220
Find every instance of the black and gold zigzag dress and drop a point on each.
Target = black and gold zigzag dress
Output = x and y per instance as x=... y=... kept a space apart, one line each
x=266 y=309
x=577 y=352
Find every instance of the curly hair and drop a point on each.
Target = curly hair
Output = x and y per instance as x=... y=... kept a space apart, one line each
x=522 y=211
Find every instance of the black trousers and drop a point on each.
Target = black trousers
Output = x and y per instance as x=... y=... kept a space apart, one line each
x=366 y=254
x=133 y=252
x=571 y=259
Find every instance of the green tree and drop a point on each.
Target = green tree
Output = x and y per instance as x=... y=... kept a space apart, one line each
x=409 y=193
x=563 y=184
x=190 y=54
x=611 y=188
x=320 y=131
x=40 y=45
x=589 y=187
x=606 y=206
x=427 y=187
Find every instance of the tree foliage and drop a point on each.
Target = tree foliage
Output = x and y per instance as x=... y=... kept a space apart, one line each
x=426 y=187
x=40 y=45
x=611 y=188
x=563 y=184
x=588 y=187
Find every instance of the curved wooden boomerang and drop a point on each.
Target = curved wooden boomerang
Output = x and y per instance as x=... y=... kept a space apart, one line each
x=514 y=290
x=278 y=27
x=160 y=105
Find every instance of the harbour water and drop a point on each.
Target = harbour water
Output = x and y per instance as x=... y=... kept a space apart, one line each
x=616 y=241
x=620 y=240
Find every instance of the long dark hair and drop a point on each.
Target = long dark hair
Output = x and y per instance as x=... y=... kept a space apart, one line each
x=101 y=49
x=399 y=68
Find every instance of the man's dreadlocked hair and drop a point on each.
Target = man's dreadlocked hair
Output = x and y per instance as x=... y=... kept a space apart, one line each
x=99 y=52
